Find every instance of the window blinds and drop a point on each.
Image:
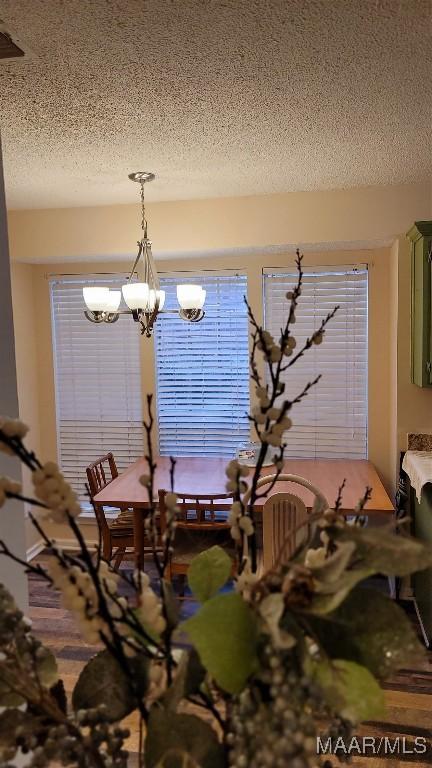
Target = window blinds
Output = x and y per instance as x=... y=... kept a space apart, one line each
x=97 y=380
x=331 y=422
x=202 y=370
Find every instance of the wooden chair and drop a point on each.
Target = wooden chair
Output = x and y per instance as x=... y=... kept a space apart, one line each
x=284 y=517
x=201 y=523
x=117 y=533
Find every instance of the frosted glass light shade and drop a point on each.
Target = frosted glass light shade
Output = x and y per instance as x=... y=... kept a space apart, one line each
x=152 y=296
x=96 y=298
x=136 y=295
x=201 y=299
x=113 y=303
x=190 y=296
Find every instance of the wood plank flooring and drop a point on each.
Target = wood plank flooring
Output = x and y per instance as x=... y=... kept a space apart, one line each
x=408 y=695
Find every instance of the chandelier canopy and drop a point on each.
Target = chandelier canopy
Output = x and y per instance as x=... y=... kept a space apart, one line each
x=145 y=300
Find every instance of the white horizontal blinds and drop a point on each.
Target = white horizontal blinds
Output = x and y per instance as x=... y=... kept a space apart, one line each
x=331 y=422
x=98 y=382
x=202 y=370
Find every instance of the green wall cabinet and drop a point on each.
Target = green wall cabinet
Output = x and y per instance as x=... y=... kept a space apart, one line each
x=420 y=236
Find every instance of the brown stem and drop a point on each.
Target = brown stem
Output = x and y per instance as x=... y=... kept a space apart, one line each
x=115 y=644
x=28 y=568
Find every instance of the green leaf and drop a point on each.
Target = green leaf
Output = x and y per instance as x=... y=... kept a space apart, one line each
x=333 y=568
x=224 y=632
x=271 y=611
x=103 y=681
x=189 y=675
x=9 y=698
x=330 y=595
x=46 y=667
x=385 y=552
x=350 y=690
x=176 y=758
x=208 y=572
x=172 y=737
x=371 y=629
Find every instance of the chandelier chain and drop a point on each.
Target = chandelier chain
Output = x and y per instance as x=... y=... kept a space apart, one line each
x=143 y=218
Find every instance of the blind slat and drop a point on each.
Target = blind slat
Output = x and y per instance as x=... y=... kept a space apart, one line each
x=98 y=383
x=203 y=371
x=331 y=422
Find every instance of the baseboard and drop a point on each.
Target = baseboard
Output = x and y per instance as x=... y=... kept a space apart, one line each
x=72 y=544
x=35 y=550
x=67 y=544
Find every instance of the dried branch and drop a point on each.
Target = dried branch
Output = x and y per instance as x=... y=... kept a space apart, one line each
x=28 y=568
x=338 y=502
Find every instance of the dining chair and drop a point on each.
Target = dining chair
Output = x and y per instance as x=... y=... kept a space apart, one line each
x=116 y=534
x=284 y=517
x=201 y=523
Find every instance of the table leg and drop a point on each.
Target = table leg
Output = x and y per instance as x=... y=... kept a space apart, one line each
x=138 y=527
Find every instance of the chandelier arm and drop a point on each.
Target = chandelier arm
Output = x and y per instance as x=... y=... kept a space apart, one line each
x=140 y=250
x=151 y=275
x=122 y=312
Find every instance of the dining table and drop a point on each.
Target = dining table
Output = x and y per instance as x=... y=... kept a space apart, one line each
x=206 y=475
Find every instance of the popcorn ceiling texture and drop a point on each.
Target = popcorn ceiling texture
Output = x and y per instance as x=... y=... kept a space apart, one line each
x=217 y=97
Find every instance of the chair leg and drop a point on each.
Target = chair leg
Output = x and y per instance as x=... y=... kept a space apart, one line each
x=392 y=587
x=107 y=548
x=119 y=557
x=182 y=584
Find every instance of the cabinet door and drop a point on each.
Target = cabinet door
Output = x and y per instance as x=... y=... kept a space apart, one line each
x=421 y=303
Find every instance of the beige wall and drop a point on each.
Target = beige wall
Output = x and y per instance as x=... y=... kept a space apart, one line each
x=380 y=374
x=197 y=227
x=241 y=233
x=393 y=353
x=24 y=311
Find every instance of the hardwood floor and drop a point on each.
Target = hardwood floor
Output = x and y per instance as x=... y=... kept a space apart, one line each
x=408 y=695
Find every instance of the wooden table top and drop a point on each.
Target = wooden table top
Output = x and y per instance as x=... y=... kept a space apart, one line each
x=207 y=475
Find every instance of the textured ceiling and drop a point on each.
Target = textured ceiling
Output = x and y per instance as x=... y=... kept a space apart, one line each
x=217 y=97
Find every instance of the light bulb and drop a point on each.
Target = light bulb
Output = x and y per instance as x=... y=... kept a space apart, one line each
x=96 y=298
x=136 y=295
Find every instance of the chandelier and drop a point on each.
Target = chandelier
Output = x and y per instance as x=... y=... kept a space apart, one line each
x=145 y=300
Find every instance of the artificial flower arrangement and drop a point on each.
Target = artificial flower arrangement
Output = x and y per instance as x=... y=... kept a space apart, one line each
x=258 y=672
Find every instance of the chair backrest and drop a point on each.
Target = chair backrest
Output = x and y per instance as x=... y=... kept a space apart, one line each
x=285 y=516
x=99 y=474
x=198 y=511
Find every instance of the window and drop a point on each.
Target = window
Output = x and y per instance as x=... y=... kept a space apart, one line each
x=98 y=383
x=203 y=371
x=331 y=422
